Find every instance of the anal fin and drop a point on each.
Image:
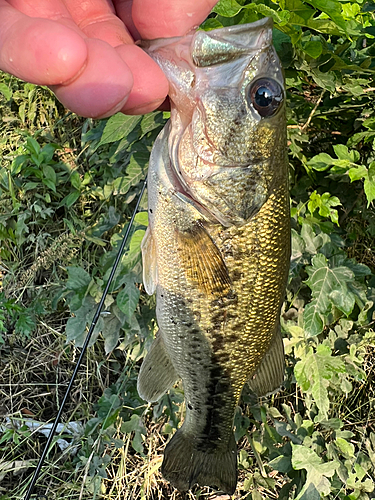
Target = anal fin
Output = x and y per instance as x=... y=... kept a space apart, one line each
x=157 y=373
x=270 y=374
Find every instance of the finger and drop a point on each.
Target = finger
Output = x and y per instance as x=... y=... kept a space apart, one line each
x=98 y=19
x=47 y=9
x=167 y=18
x=103 y=86
x=150 y=84
x=124 y=11
x=38 y=50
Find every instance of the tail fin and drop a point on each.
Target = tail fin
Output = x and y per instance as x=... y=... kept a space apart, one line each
x=184 y=464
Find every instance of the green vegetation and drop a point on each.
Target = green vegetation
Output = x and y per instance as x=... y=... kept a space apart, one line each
x=67 y=190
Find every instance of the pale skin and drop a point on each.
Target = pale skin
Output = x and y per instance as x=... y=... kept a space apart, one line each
x=84 y=50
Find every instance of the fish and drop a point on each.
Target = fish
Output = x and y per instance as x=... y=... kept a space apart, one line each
x=217 y=248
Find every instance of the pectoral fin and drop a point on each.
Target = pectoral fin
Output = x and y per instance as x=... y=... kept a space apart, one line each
x=202 y=261
x=157 y=373
x=150 y=269
x=270 y=374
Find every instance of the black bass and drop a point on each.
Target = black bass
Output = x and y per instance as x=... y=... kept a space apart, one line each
x=217 y=248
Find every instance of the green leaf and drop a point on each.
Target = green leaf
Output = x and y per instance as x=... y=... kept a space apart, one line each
x=49 y=173
x=136 y=171
x=357 y=173
x=141 y=218
x=6 y=91
x=152 y=121
x=138 y=163
x=227 y=8
x=32 y=146
x=361 y=172
x=211 y=24
x=333 y=9
x=323 y=280
x=78 y=279
x=127 y=299
x=346 y=448
x=106 y=222
x=281 y=463
x=111 y=332
x=118 y=127
x=71 y=198
x=25 y=323
x=317 y=472
x=314 y=373
x=75 y=180
x=50 y=184
x=135 y=425
x=324 y=203
x=321 y=162
x=343 y=153
x=279 y=17
x=369 y=184
x=76 y=327
x=48 y=151
x=350 y=10
x=312 y=320
x=313 y=49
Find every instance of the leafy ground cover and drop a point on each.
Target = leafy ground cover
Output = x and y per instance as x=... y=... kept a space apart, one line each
x=67 y=190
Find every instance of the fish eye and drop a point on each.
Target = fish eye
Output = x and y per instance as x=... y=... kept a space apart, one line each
x=266 y=96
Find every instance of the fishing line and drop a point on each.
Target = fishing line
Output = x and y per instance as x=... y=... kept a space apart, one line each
x=93 y=324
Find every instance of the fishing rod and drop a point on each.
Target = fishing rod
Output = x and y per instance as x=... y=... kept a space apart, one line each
x=84 y=348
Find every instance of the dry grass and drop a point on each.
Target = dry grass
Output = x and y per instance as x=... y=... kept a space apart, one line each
x=34 y=375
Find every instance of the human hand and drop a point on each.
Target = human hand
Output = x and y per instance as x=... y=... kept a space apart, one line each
x=84 y=49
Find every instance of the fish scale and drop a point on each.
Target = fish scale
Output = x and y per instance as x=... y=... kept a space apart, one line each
x=217 y=248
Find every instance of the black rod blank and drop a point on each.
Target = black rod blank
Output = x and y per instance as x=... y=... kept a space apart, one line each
x=86 y=343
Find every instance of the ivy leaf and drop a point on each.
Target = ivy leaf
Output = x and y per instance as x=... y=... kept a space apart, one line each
x=317 y=472
x=314 y=372
x=281 y=463
x=312 y=319
x=346 y=448
x=326 y=284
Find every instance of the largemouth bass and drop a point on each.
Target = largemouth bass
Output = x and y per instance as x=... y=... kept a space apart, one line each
x=217 y=248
